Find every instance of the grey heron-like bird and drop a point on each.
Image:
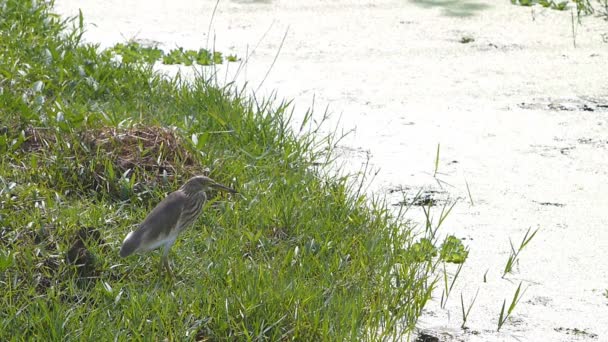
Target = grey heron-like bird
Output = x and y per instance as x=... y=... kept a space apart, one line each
x=170 y=217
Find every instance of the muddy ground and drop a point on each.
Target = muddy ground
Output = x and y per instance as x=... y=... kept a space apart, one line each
x=520 y=114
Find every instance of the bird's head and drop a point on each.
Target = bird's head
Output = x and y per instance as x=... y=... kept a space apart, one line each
x=204 y=183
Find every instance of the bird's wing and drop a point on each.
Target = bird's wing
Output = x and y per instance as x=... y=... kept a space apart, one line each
x=163 y=218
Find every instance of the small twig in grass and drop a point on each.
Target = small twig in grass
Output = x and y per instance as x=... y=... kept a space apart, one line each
x=248 y=55
x=465 y=314
x=502 y=318
x=363 y=174
x=515 y=253
x=274 y=60
x=211 y=23
x=573 y=29
x=441 y=182
x=469 y=192
x=445 y=211
x=437 y=160
x=448 y=287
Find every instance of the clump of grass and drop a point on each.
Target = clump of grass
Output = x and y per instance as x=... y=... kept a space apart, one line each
x=466 y=39
x=451 y=251
x=515 y=253
x=122 y=163
x=504 y=315
x=545 y=3
x=448 y=285
x=302 y=255
x=467 y=312
x=583 y=7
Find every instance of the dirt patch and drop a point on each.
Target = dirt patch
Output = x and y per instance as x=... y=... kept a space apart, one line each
x=424 y=337
x=48 y=272
x=80 y=256
x=551 y=204
x=582 y=104
x=597 y=143
x=579 y=333
x=423 y=198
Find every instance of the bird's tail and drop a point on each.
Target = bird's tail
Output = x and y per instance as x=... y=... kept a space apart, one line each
x=129 y=246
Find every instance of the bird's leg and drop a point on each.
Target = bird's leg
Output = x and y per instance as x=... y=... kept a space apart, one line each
x=165 y=260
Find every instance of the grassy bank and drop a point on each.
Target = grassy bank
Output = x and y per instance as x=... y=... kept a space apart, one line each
x=89 y=145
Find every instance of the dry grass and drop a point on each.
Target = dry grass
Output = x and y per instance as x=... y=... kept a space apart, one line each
x=159 y=151
x=127 y=161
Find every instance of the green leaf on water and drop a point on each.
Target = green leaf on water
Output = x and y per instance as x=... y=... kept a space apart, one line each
x=453 y=250
x=423 y=250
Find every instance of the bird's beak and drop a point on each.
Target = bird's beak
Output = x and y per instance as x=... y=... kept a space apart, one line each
x=223 y=187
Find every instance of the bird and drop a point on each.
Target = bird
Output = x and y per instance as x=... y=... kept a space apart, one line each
x=169 y=218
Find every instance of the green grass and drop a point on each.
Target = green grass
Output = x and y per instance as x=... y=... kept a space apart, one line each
x=88 y=145
x=583 y=7
x=514 y=255
x=504 y=315
x=467 y=312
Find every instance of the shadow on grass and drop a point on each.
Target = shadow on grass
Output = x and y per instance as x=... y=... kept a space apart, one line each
x=454 y=8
